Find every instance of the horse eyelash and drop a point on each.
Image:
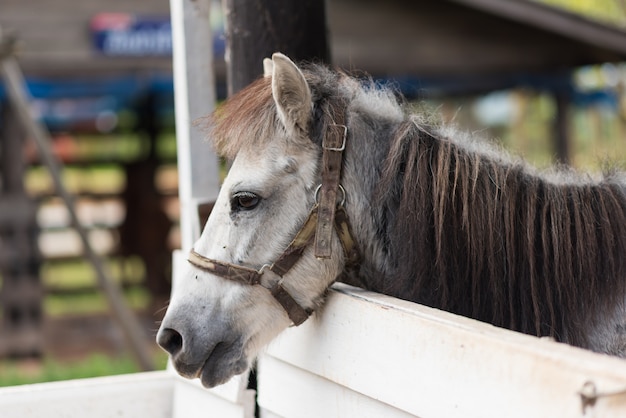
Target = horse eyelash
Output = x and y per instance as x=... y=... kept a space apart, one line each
x=237 y=195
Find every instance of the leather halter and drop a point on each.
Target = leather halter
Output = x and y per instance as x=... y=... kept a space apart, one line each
x=319 y=226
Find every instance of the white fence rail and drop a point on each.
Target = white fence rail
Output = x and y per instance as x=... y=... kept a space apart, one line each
x=364 y=355
x=152 y=394
x=368 y=355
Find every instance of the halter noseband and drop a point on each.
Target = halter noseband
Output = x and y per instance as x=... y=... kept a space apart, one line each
x=319 y=226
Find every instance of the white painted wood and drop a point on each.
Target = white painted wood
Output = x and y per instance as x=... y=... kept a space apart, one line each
x=192 y=400
x=289 y=391
x=136 y=395
x=194 y=98
x=431 y=363
x=159 y=394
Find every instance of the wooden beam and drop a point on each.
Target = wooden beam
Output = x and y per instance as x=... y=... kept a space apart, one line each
x=554 y=20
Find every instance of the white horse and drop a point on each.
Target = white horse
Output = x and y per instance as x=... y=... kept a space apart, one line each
x=438 y=220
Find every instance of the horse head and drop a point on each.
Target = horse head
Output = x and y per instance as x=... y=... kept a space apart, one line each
x=217 y=321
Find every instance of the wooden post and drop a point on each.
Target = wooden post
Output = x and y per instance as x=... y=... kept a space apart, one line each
x=146 y=226
x=256 y=29
x=21 y=293
x=194 y=98
x=561 y=128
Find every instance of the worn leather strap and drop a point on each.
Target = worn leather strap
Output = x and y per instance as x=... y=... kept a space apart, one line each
x=281 y=266
x=296 y=313
x=248 y=276
x=333 y=145
x=228 y=271
x=294 y=250
x=346 y=237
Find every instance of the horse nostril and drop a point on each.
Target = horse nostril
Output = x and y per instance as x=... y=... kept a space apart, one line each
x=170 y=340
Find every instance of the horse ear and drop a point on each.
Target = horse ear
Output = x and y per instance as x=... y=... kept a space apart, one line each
x=291 y=94
x=268 y=67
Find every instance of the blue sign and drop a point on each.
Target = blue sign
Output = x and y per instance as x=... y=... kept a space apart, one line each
x=120 y=34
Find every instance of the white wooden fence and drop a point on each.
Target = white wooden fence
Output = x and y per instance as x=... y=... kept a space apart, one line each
x=364 y=355
x=369 y=355
x=151 y=394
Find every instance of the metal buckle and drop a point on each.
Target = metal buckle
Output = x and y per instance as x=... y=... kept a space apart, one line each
x=343 y=143
x=341 y=189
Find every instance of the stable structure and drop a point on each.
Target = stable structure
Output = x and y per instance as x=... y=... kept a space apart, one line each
x=465 y=46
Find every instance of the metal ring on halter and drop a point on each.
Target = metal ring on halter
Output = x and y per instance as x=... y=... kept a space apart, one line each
x=343 y=195
x=263 y=267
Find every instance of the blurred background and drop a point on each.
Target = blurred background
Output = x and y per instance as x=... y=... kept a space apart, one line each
x=100 y=75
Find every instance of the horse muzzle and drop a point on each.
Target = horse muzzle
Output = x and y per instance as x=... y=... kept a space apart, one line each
x=214 y=355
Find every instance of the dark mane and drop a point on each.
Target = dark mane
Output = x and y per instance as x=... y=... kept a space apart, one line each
x=494 y=241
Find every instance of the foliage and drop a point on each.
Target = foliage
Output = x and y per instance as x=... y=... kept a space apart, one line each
x=49 y=369
x=606 y=11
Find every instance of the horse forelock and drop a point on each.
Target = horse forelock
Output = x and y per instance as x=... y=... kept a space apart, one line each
x=248 y=119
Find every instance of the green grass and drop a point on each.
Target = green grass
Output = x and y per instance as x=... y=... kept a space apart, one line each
x=79 y=274
x=14 y=373
x=89 y=303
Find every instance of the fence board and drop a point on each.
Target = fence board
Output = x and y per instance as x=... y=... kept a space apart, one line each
x=192 y=400
x=430 y=363
x=325 y=398
x=138 y=395
x=152 y=394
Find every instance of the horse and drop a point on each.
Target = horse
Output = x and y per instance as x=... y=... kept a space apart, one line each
x=333 y=177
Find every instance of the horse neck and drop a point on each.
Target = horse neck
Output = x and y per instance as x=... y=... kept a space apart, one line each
x=483 y=259
x=363 y=162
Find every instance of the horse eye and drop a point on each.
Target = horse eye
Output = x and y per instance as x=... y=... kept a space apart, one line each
x=245 y=201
